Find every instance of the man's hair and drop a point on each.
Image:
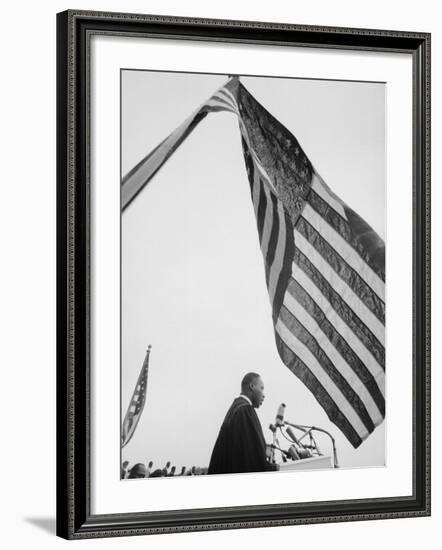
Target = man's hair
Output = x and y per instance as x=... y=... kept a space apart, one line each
x=248 y=379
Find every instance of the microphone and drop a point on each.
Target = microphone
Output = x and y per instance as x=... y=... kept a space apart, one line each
x=291 y=434
x=279 y=420
x=302 y=451
x=285 y=453
x=293 y=453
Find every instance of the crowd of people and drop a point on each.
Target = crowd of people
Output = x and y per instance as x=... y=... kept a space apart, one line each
x=140 y=470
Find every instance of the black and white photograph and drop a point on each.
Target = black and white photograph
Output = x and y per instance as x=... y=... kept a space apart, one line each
x=253 y=242
x=243 y=275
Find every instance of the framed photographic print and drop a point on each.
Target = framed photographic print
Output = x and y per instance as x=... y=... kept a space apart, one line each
x=243 y=274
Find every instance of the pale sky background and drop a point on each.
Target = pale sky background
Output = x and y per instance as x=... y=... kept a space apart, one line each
x=193 y=280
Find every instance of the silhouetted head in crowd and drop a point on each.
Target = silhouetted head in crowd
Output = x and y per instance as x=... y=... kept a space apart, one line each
x=123 y=472
x=137 y=471
x=157 y=473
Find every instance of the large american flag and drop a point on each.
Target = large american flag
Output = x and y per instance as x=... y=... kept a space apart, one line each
x=137 y=402
x=324 y=265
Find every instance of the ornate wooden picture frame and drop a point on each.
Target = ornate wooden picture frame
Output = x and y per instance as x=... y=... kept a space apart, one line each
x=76 y=518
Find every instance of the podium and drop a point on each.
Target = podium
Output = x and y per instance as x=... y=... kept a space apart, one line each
x=313 y=463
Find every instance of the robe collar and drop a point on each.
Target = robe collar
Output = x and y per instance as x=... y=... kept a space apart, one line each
x=246 y=398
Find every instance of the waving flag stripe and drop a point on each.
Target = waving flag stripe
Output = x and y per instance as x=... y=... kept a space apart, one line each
x=323 y=378
x=337 y=360
x=300 y=331
x=343 y=228
x=282 y=263
x=324 y=291
x=346 y=272
x=321 y=189
x=268 y=226
x=344 y=291
x=143 y=172
x=278 y=250
x=335 y=331
x=344 y=327
x=334 y=413
x=351 y=257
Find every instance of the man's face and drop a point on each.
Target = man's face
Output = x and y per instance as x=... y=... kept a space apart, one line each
x=257 y=387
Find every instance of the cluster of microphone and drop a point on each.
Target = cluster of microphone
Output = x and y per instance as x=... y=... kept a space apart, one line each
x=298 y=449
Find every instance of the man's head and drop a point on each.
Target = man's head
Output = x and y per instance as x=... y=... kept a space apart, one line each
x=139 y=470
x=150 y=464
x=253 y=386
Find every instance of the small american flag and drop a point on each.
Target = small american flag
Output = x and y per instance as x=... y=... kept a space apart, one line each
x=324 y=265
x=136 y=404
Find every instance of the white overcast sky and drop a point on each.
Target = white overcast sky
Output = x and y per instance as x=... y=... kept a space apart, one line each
x=193 y=281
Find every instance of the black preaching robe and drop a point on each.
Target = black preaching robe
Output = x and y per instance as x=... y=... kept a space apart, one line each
x=240 y=446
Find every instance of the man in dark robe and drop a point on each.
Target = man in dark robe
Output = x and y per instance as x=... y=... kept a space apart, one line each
x=240 y=446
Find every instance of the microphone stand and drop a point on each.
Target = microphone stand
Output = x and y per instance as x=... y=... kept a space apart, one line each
x=273 y=444
x=308 y=429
